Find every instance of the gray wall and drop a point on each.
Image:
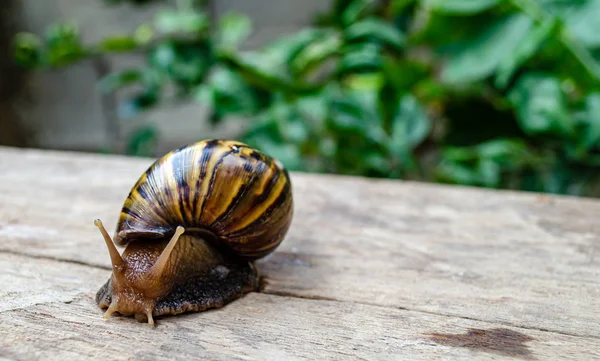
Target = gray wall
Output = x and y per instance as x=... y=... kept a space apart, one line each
x=68 y=113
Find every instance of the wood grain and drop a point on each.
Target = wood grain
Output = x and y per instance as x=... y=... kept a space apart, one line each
x=446 y=258
x=64 y=324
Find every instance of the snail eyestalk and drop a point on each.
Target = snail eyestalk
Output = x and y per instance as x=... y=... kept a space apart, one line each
x=115 y=257
x=162 y=261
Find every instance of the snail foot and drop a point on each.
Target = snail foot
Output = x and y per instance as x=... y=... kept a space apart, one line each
x=222 y=285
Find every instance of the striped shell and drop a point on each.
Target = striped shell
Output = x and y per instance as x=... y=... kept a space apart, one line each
x=239 y=194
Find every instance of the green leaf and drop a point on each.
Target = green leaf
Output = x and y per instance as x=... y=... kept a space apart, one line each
x=460 y=154
x=355 y=11
x=144 y=99
x=460 y=7
x=137 y=103
x=119 y=79
x=591 y=138
x=143 y=34
x=377 y=162
x=475 y=165
x=163 y=56
x=541 y=105
x=64 y=45
x=142 y=141
x=403 y=74
x=288 y=154
x=296 y=130
x=293 y=128
x=265 y=72
x=481 y=56
x=398 y=6
x=204 y=95
x=361 y=57
x=526 y=49
x=118 y=44
x=315 y=53
x=258 y=69
x=454 y=172
x=61 y=33
x=348 y=115
x=354 y=114
x=185 y=63
x=233 y=29
x=286 y=48
x=227 y=93
x=265 y=137
x=488 y=173
x=169 y=21
x=410 y=126
x=27 y=50
x=272 y=67
x=502 y=151
x=315 y=109
x=583 y=22
x=365 y=81
x=376 y=30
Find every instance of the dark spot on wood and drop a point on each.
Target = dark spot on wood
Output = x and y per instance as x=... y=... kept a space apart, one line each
x=500 y=341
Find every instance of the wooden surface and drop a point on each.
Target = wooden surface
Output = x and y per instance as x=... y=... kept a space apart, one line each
x=371 y=270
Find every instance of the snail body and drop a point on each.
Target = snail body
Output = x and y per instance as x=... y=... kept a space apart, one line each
x=193 y=224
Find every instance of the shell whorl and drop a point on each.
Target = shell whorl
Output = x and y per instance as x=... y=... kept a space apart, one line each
x=239 y=194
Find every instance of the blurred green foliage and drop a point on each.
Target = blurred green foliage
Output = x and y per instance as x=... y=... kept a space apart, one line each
x=491 y=93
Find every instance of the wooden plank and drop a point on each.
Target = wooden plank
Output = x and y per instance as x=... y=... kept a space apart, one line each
x=510 y=258
x=49 y=314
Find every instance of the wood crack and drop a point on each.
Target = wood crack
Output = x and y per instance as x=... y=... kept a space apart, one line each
x=49 y=258
x=503 y=323
x=75 y=299
x=312 y=297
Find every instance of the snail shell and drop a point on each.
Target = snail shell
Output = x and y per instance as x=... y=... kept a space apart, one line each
x=225 y=187
x=233 y=205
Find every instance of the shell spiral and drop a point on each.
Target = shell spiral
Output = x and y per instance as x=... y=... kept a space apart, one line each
x=237 y=193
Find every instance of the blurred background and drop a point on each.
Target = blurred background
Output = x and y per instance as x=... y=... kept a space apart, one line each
x=490 y=93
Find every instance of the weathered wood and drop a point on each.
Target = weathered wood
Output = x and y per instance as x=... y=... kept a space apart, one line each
x=60 y=322
x=437 y=258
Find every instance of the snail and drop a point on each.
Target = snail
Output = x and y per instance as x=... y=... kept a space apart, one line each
x=192 y=226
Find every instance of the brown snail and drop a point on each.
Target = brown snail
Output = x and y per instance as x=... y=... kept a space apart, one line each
x=192 y=225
